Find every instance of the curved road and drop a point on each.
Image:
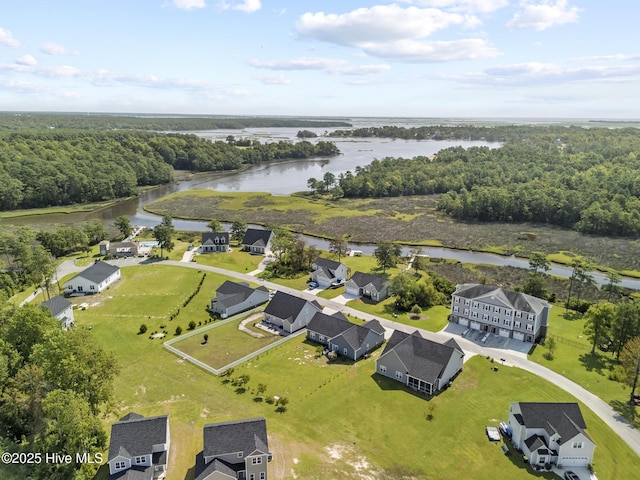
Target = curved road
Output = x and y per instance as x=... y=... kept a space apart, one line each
x=629 y=434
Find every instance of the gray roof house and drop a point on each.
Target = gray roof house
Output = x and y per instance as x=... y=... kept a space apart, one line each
x=235 y=297
x=289 y=312
x=325 y=271
x=234 y=450
x=367 y=285
x=420 y=364
x=346 y=338
x=60 y=308
x=215 y=242
x=93 y=279
x=551 y=433
x=502 y=312
x=139 y=448
x=257 y=241
x=123 y=249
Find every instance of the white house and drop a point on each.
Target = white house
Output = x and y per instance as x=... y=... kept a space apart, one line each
x=213 y=242
x=551 y=433
x=289 y=312
x=139 y=447
x=502 y=312
x=62 y=309
x=257 y=241
x=374 y=287
x=92 y=280
x=235 y=297
x=326 y=272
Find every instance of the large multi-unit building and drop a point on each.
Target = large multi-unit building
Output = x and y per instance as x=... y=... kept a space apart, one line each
x=502 y=312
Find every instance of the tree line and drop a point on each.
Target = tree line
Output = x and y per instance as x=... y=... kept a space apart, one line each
x=22 y=121
x=585 y=179
x=53 y=167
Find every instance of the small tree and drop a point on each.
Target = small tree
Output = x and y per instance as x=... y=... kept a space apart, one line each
x=123 y=225
x=282 y=404
x=192 y=325
x=178 y=330
x=262 y=388
x=550 y=345
x=206 y=337
x=214 y=225
x=416 y=311
x=143 y=329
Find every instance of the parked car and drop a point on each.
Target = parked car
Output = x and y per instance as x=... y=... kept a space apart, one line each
x=466 y=330
x=313 y=285
x=338 y=283
x=570 y=475
x=485 y=338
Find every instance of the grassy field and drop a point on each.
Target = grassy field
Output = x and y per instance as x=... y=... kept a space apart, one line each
x=226 y=344
x=236 y=260
x=412 y=220
x=83 y=207
x=573 y=359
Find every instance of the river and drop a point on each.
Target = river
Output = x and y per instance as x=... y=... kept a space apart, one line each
x=285 y=177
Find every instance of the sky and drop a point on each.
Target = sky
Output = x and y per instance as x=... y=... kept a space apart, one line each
x=405 y=58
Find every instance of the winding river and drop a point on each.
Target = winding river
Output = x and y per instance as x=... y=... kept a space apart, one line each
x=286 y=177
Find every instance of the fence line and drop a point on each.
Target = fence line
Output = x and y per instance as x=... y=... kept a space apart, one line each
x=571 y=343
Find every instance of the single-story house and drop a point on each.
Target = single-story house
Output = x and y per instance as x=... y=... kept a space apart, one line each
x=215 y=242
x=548 y=432
x=257 y=241
x=139 y=448
x=289 y=312
x=123 y=249
x=235 y=297
x=346 y=338
x=367 y=285
x=93 y=279
x=234 y=450
x=325 y=271
x=419 y=363
x=60 y=308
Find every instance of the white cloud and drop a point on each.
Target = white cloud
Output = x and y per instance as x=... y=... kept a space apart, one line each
x=247 y=6
x=6 y=39
x=26 y=60
x=189 y=4
x=334 y=66
x=483 y=6
x=412 y=51
x=274 y=80
x=540 y=16
x=51 y=48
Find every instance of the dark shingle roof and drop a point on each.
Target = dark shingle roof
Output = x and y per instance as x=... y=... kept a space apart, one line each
x=534 y=442
x=424 y=359
x=375 y=326
x=363 y=279
x=244 y=436
x=56 y=305
x=134 y=473
x=203 y=470
x=562 y=418
x=223 y=238
x=332 y=326
x=134 y=436
x=98 y=272
x=254 y=236
x=328 y=267
x=285 y=306
x=233 y=293
x=507 y=298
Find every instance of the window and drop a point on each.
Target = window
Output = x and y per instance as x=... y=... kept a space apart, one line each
x=256 y=460
x=467 y=302
x=475 y=304
x=577 y=445
x=466 y=311
x=252 y=476
x=495 y=320
x=263 y=476
x=455 y=309
x=139 y=459
x=485 y=317
x=312 y=334
x=239 y=454
x=345 y=351
x=92 y=287
x=120 y=465
x=399 y=375
x=496 y=310
x=518 y=314
x=474 y=315
x=530 y=328
x=507 y=323
x=383 y=369
x=456 y=300
x=507 y=313
x=517 y=324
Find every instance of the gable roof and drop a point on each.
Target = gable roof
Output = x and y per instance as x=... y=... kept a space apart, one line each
x=565 y=419
x=212 y=236
x=134 y=473
x=424 y=359
x=203 y=470
x=363 y=279
x=233 y=293
x=332 y=326
x=286 y=306
x=253 y=236
x=498 y=296
x=246 y=436
x=326 y=266
x=136 y=435
x=56 y=305
x=98 y=272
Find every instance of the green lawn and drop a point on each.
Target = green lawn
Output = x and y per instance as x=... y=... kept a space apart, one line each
x=237 y=260
x=433 y=319
x=225 y=344
x=573 y=359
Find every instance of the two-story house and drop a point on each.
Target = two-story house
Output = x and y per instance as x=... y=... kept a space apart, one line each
x=325 y=272
x=257 y=241
x=214 y=242
x=139 y=448
x=551 y=433
x=234 y=450
x=499 y=311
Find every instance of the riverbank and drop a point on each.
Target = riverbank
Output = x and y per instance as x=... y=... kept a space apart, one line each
x=407 y=220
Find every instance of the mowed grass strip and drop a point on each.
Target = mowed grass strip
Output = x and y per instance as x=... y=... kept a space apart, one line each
x=225 y=344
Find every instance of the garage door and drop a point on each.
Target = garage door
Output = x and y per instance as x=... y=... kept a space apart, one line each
x=504 y=333
x=353 y=291
x=518 y=336
x=475 y=325
x=573 y=461
x=463 y=321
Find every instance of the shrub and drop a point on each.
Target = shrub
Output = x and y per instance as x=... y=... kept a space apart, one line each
x=192 y=325
x=178 y=330
x=143 y=329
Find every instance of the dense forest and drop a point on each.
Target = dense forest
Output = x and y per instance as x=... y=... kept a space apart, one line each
x=60 y=167
x=23 y=121
x=586 y=179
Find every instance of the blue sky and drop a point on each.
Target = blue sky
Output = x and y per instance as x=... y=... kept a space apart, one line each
x=418 y=58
